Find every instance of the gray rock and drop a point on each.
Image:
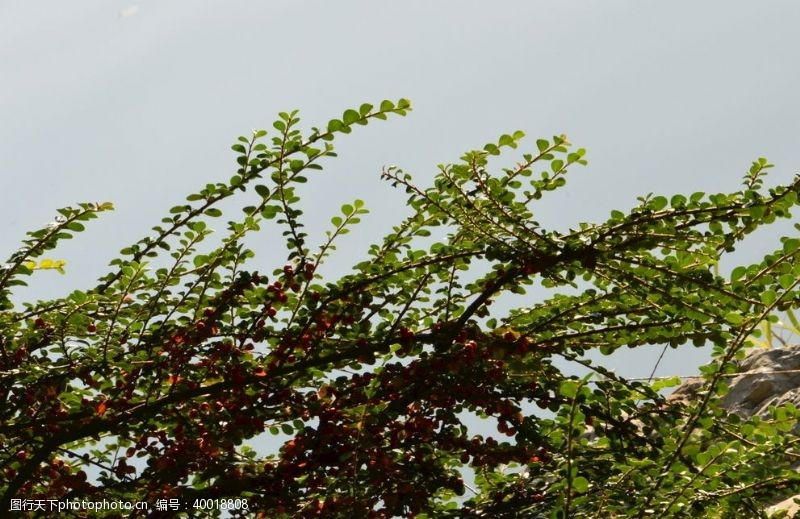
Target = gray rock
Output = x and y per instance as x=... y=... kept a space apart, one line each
x=770 y=378
x=767 y=378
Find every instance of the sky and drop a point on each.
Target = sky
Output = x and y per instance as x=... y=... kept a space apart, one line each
x=137 y=103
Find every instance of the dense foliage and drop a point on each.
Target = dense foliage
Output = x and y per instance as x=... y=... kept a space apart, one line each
x=154 y=383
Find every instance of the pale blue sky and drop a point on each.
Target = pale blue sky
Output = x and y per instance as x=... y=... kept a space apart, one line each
x=140 y=109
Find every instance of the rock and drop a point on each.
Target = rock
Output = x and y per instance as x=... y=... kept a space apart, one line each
x=788 y=505
x=772 y=378
x=768 y=378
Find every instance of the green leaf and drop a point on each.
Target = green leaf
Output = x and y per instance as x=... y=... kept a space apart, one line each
x=658 y=203
x=768 y=297
x=791 y=245
x=786 y=281
x=663 y=383
x=335 y=125
x=350 y=117
x=678 y=201
x=734 y=318
x=568 y=388
x=738 y=273
x=270 y=211
x=580 y=484
x=296 y=165
x=200 y=260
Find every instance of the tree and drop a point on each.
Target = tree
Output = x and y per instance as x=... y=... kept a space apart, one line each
x=155 y=379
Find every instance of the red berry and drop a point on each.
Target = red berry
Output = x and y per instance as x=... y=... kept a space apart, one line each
x=406 y=334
